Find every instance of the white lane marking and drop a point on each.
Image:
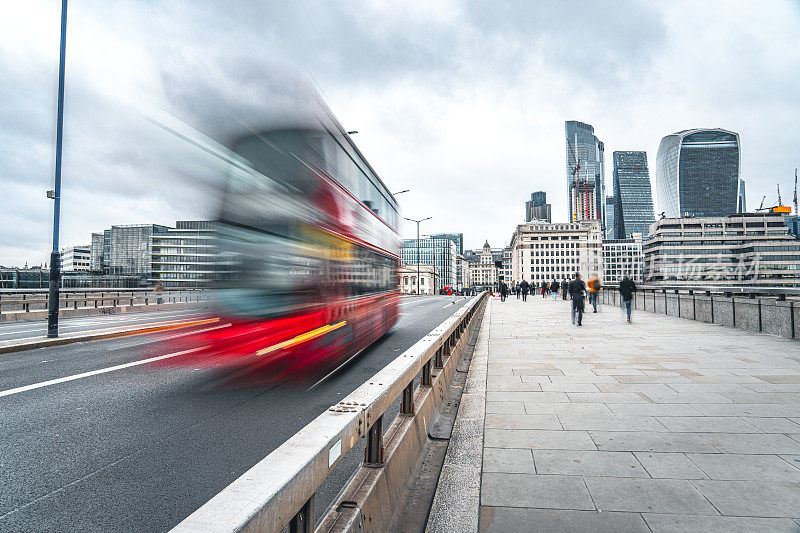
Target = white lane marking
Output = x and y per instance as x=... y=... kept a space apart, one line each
x=9 y=392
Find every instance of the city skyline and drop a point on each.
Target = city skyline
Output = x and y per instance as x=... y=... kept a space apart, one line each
x=127 y=59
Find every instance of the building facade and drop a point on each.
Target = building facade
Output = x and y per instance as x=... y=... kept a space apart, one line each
x=632 y=195
x=745 y=249
x=428 y=279
x=438 y=250
x=585 y=158
x=76 y=259
x=697 y=173
x=623 y=257
x=538 y=208
x=611 y=217
x=483 y=274
x=184 y=256
x=457 y=238
x=548 y=252
x=742 y=201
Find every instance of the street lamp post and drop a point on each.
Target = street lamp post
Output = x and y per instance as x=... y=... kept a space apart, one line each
x=55 y=263
x=417 y=221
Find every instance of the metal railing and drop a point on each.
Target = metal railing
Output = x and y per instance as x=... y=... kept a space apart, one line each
x=773 y=310
x=29 y=300
x=278 y=492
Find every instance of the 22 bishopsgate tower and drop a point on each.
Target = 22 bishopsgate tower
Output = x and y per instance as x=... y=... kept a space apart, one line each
x=697 y=173
x=585 y=173
x=633 y=199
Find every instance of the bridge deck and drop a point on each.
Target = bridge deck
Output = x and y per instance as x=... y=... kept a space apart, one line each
x=664 y=424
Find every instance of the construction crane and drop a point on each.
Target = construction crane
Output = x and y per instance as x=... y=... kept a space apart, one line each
x=575 y=168
x=780 y=202
x=761 y=207
x=795 y=192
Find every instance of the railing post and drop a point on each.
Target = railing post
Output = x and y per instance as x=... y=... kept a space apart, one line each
x=407 y=405
x=303 y=521
x=373 y=451
x=678 y=296
x=425 y=380
x=760 y=328
x=437 y=359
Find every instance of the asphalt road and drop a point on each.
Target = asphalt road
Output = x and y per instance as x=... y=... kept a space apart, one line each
x=11 y=332
x=140 y=448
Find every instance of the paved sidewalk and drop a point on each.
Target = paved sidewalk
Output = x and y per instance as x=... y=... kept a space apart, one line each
x=665 y=424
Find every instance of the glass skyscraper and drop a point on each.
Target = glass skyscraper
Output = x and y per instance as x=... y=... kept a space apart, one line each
x=697 y=173
x=632 y=194
x=742 y=203
x=584 y=148
x=611 y=217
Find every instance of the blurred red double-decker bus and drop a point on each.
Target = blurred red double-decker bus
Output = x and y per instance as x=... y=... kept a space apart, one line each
x=308 y=244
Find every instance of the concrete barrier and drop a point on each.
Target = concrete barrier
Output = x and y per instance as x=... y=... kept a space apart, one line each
x=768 y=313
x=278 y=492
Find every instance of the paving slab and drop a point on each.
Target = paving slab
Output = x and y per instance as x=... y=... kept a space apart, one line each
x=504 y=519
x=670 y=466
x=753 y=498
x=531 y=490
x=648 y=495
x=745 y=467
x=674 y=523
x=588 y=463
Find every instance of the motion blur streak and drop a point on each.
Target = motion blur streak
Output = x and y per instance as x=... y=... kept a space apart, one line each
x=307 y=240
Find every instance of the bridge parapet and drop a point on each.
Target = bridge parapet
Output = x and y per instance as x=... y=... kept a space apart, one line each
x=761 y=309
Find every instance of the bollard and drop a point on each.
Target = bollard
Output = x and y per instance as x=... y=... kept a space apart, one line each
x=373 y=451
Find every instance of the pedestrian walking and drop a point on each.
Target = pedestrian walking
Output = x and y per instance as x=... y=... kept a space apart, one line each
x=544 y=288
x=594 y=291
x=503 y=291
x=517 y=291
x=576 y=293
x=564 y=288
x=523 y=287
x=626 y=289
x=554 y=289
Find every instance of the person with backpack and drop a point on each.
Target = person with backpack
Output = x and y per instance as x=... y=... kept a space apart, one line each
x=564 y=288
x=554 y=289
x=594 y=291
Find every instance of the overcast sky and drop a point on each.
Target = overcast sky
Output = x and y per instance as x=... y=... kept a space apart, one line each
x=462 y=102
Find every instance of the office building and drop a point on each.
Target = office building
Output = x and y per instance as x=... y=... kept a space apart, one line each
x=622 y=257
x=506 y=272
x=96 y=252
x=131 y=249
x=585 y=169
x=457 y=238
x=75 y=258
x=184 y=256
x=547 y=252
x=744 y=249
x=611 y=217
x=632 y=194
x=537 y=208
x=428 y=279
x=439 y=251
x=793 y=224
x=741 y=206
x=697 y=173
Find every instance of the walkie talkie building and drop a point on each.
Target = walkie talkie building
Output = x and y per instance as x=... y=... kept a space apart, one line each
x=697 y=173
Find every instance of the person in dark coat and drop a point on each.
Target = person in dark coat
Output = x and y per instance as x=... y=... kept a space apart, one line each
x=523 y=288
x=564 y=288
x=517 y=292
x=626 y=289
x=577 y=289
x=554 y=289
x=544 y=288
x=503 y=291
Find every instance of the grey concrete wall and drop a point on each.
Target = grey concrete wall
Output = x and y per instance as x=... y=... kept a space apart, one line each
x=703 y=305
x=687 y=306
x=723 y=311
x=776 y=318
x=660 y=303
x=672 y=304
x=747 y=314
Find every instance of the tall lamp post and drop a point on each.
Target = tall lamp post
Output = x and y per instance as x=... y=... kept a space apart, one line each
x=418 y=221
x=55 y=263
